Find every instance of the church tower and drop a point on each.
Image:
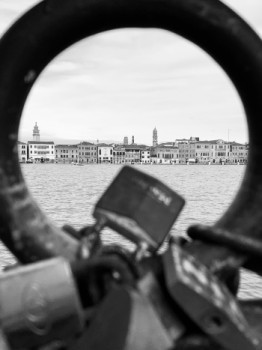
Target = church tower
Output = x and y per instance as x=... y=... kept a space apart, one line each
x=155 y=137
x=36 y=133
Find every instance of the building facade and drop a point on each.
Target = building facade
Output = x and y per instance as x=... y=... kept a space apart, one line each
x=66 y=153
x=87 y=152
x=187 y=152
x=119 y=154
x=104 y=153
x=205 y=152
x=145 y=156
x=22 y=152
x=41 y=151
x=133 y=153
x=167 y=154
x=238 y=153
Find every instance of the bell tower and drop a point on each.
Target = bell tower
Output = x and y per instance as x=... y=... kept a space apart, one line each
x=36 y=133
x=155 y=137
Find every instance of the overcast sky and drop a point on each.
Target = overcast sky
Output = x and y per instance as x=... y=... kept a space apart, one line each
x=126 y=82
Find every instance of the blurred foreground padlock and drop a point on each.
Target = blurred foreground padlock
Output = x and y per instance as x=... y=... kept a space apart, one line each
x=206 y=300
x=39 y=304
x=139 y=207
x=125 y=320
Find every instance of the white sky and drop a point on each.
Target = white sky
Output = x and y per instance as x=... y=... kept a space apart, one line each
x=126 y=82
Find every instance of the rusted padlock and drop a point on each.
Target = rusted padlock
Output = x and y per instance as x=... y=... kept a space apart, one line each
x=206 y=300
x=125 y=320
x=40 y=304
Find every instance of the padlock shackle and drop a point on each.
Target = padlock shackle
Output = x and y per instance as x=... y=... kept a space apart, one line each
x=52 y=26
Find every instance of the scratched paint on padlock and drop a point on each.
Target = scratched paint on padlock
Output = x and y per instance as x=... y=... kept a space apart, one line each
x=35 y=305
x=200 y=279
x=206 y=300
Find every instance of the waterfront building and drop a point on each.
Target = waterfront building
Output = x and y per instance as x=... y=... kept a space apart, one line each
x=125 y=142
x=41 y=151
x=133 y=153
x=155 y=141
x=222 y=150
x=22 y=152
x=238 y=153
x=186 y=148
x=87 y=152
x=205 y=151
x=167 y=154
x=145 y=156
x=214 y=151
x=66 y=153
x=119 y=154
x=187 y=152
x=104 y=153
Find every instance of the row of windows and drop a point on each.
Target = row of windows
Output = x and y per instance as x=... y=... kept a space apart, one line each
x=87 y=153
x=41 y=152
x=111 y=152
x=41 y=147
x=87 y=148
x=119 y=153
x=65 y=156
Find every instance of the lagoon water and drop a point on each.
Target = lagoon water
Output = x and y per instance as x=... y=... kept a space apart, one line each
x=68 y=194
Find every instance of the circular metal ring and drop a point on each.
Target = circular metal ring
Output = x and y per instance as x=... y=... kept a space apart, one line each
x=52 y=26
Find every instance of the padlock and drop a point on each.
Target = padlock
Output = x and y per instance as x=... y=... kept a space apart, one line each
x=125 y=320
x=150 y=287
x=139 y=207
x=40 y=304
x=206 y=300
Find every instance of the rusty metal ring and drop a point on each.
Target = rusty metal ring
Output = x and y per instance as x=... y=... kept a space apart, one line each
x=52 y=26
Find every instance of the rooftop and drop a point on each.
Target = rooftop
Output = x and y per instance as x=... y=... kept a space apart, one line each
x=41 y=142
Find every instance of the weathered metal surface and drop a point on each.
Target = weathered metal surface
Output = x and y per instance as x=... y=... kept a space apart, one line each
x=125 y=321
x=252 y=309
x=150 y=287
x=244 y=250
x=206 y=300
x=40 y=304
